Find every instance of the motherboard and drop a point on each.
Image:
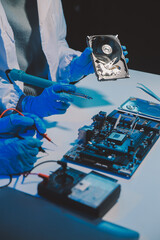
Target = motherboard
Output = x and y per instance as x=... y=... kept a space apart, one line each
x=116 y=143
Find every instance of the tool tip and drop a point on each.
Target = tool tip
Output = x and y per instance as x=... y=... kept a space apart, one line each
x=53 y=143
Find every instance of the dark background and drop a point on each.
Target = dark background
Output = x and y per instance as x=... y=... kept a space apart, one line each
x=137 y=24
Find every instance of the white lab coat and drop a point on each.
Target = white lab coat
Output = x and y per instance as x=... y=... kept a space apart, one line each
x=58 y=54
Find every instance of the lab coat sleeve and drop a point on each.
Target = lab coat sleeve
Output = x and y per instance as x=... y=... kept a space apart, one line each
x=66 y=54
x=9 y=94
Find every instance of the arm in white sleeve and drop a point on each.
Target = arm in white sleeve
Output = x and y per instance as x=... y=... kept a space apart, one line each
x=9 y=94
x=66 y=54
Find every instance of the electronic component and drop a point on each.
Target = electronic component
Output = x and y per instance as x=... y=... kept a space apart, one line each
x=93 y=194
x=115 y=143
x=107 y=57
x=142 y=107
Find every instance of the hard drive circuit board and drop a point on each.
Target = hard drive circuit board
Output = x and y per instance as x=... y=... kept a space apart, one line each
x=115 y=143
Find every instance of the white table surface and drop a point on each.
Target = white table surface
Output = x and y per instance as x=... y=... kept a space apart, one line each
x=138 y=205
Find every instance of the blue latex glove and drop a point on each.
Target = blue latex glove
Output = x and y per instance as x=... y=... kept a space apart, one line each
x=81 y=66
x=53 y=100
x=17 y=155
x=14 y=124
x=125 y=53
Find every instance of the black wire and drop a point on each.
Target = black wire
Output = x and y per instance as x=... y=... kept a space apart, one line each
x=6 y=185
x=48 y=161
x=7 y=74
x=25 y=174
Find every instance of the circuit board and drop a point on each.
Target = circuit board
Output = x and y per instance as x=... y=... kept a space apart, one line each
x=115 y=143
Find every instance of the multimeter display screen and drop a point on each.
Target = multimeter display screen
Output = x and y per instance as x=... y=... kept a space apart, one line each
x=93 y=189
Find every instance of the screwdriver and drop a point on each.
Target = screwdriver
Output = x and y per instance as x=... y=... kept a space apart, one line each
x=78 y=94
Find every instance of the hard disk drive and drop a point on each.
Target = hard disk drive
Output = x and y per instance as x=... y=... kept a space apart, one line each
x=107 y=57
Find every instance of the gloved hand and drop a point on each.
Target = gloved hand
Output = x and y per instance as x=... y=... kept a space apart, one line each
x=53 y=100
x=125 y=53
x=14 y=124
x=81 y=66
x=17 y=155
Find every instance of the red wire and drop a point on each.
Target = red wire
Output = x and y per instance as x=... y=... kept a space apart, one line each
x=41 y=175
x=14 y=109
x=44 y=135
